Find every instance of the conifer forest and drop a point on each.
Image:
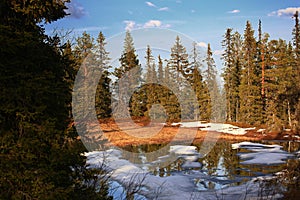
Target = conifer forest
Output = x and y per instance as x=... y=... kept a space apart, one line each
x=256 y=90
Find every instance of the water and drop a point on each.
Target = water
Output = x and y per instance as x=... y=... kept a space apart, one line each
x=221 y=167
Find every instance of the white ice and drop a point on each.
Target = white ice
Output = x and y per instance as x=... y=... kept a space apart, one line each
x=262 y=154
x=178 y=186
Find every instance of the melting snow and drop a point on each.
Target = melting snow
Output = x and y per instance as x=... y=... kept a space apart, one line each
x=184 y=150
x=262 y=154
x=218 y=127
x=180 y=185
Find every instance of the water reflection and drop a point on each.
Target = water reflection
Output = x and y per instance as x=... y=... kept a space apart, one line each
x=222 y=164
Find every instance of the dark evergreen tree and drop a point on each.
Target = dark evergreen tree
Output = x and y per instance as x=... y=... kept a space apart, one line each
x=41 y=157
x=251 y=109
x=200 y=87
x=131 y=82
x=160 y=71
x=103 y=93
x=296 y=43
x=228 y=58
x=151 y=79
x=210 y=75
x=179 y=63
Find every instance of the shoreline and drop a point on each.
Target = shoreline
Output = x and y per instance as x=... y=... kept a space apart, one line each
x=120 y=138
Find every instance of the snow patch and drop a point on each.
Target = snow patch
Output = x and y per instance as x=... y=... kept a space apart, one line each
x=184 y=150
x=262 y=154
x=179 y=186
x=218 y=127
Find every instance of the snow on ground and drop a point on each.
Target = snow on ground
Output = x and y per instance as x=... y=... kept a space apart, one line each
x=218 y=127
x=261 y=153
x=178 y=186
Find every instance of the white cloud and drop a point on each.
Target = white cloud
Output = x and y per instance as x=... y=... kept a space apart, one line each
x=150 y=4
x=75 y=10
x=287 y=12
x=201 y=44
x=218 y=52
x=234 y=11
x=193 y=11
x=91 y=28
x=129 y=25
x=152 y=23
x=163 y=9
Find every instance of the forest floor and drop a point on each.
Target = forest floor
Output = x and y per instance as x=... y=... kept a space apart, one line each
x=167 y=133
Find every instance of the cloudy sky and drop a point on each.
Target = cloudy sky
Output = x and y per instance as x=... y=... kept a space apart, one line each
x=204 y=21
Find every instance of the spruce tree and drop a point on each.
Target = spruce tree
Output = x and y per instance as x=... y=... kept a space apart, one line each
x=103 y=93
x=228 y=58
x=160 y=71
x=279 y=87
x=296 y=43
x=210 y=74
x=41 y=157
x=131 y=82
x=151 y=79
x=200 y=87
x=169 y=99
x=251 y=109
x=179 y=63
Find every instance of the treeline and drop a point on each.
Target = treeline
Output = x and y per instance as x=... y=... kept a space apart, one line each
x=262 y=78
x=41 y=155
x=137 y=88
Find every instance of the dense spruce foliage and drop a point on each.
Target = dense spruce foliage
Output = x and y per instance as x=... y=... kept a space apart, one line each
x=262 y=78
x=41 y=156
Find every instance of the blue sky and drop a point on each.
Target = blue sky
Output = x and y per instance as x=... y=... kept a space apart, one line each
x=204 y=21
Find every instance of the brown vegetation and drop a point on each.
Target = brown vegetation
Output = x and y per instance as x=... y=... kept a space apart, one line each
x=120 y=138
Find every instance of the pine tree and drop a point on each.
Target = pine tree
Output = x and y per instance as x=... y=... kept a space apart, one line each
x=103 y=93
x=169 y=99
x=160 y=71
x=84 y=52
x=296 y=43
x=279 y=88
x=236 y=74
x=151 y=79
x=228 y=75
x=130 y=82
x=41 y=158
x=251 y=109
x=261 y=62
x=179 y=63
x=200 y=88
x=210 y=74
x=177 y=72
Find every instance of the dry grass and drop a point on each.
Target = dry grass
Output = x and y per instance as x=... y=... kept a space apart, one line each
x=120 y=138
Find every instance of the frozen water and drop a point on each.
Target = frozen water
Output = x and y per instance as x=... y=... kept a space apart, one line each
x=184 y=185
x=183 y=150
x=262 y=154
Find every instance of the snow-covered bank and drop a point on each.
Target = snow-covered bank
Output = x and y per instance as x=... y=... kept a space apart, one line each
x=218 y=127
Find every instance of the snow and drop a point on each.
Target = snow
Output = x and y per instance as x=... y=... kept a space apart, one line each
x=179 y=186
x=262 y=154
x=190 y=164
x=261 y=130
x=218 y=127
x=184 y=150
